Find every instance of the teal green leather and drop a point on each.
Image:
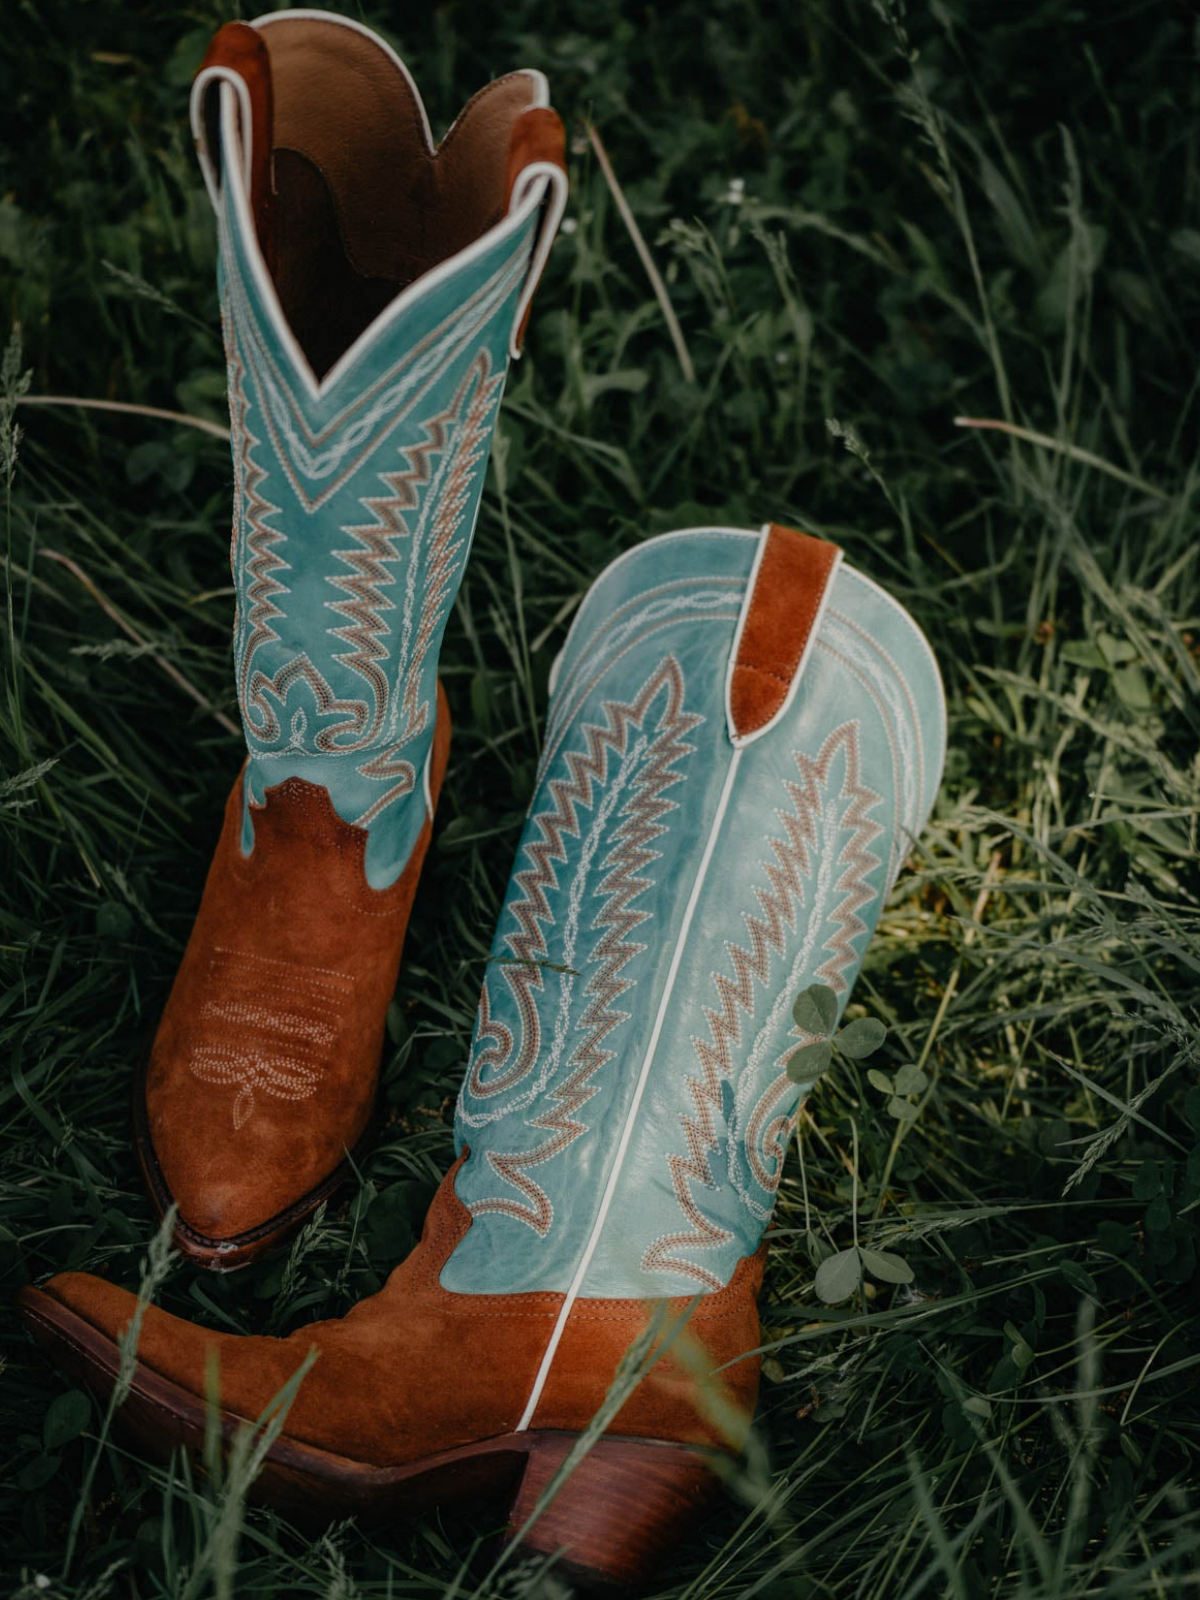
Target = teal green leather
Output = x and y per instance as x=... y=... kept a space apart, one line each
x=626 y=1104
x=355 y=505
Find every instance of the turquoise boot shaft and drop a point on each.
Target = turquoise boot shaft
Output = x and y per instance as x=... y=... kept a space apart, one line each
x=372 y=295
x=373 y=292
x=682 y=876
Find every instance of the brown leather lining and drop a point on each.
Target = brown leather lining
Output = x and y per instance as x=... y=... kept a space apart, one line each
x=350 y=203
x=327 y=302
x=340 y=102
x=791 y=581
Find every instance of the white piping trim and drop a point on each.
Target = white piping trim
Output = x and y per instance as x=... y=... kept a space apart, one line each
x=746 y=533
x=539 y=1383
x=200 y=84
x=555 y=670
x=541 y=86
x=525 y=201
x=764 y=533
x=425 y=787
x=626 y=555
x=675 y=533
x=264 y=283
x=861 y=577
x=556 y=185
x=925 y=645
x=742 y=739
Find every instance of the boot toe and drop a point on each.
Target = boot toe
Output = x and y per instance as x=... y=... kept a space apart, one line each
x=78 y=1320
x=237 y=1190
x=103 y=1306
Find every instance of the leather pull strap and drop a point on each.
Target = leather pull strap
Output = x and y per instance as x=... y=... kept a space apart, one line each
x=537 y=151
x=238 y=57
x=788 y=590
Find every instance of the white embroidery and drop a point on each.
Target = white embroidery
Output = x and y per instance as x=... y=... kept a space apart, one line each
x=273 y=1046
x=385 y=404
x=804 y=864
x=422 y=518
x=645 y=769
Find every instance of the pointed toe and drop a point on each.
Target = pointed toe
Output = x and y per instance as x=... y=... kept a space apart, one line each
x=257 y=1104
x=76 y=1321
x=235 y=1197
x=102 y=1305
x=368 y=331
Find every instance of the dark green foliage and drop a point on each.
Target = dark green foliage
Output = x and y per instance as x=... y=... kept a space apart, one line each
x=868 y=223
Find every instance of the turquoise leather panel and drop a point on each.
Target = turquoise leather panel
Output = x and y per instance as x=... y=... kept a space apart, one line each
x=626 y=1105
x=354 y=509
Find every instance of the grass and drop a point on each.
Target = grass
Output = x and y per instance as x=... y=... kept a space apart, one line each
x=867 y=224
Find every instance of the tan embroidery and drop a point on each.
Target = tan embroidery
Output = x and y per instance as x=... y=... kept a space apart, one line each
x=621 y=882
x=450 y=494
x=795 y=862
x=273 y=1046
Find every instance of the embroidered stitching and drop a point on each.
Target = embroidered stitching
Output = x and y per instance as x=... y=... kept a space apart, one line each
x=653 y=757
x=277 y=1048
x=779 y=904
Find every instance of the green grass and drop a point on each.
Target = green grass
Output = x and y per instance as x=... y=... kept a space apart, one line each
x=868 y=224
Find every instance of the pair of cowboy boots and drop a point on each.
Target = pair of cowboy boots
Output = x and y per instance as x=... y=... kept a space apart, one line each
x=744 y=736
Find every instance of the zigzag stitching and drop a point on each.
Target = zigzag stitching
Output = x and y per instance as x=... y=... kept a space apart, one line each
x=469 y=448
x=251 y=509
x=453 y=496
x=260 y=720
x=365 y=626
x=441 y=349
x=366 y=602
x=527 y=945
x=621 y=886
x=779 y=907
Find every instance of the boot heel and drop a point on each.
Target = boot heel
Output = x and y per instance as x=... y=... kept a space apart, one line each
x=623 y=1506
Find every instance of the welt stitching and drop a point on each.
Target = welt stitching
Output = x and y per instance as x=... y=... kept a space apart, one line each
x=766 y=672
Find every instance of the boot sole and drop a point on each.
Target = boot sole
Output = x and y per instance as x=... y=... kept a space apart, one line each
x=623 y=1507
x=240 y=1249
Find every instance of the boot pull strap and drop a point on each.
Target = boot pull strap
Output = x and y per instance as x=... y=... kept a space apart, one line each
x=789 y=588
x=237 y=58
x=537 y=155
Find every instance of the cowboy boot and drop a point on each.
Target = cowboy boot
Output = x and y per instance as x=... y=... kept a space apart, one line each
x=745 y=736
x=372 y=291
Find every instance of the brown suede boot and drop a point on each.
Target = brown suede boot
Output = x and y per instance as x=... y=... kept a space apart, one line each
x=744 y=737
x=373 y=289
x=416 y=1399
